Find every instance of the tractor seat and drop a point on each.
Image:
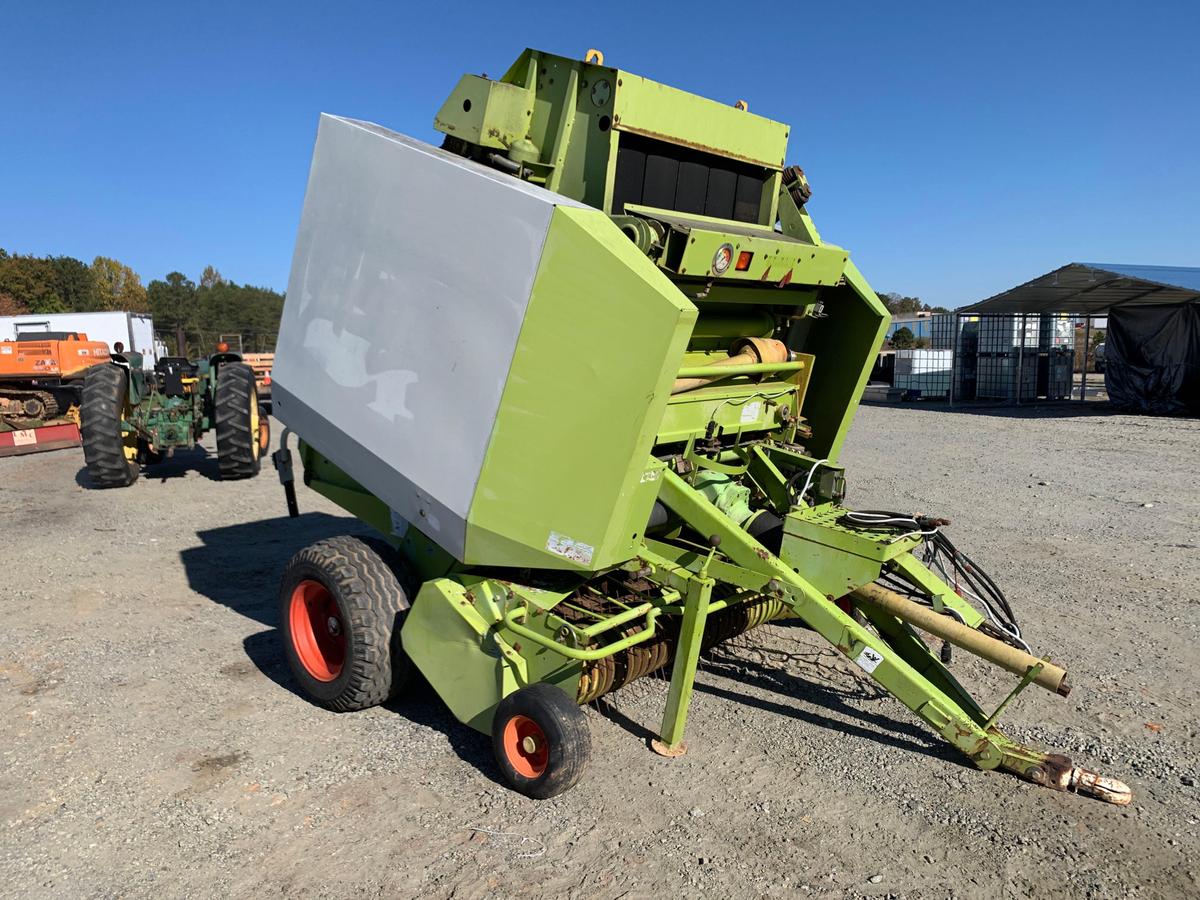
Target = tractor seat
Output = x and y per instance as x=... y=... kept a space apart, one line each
x=171 y=370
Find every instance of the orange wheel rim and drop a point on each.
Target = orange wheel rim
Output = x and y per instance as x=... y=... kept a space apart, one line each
x=264 y=436
x=317 y=630
x=525 y=746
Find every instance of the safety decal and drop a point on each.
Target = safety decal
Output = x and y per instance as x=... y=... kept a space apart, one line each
x=868 y=659
x=571 y=549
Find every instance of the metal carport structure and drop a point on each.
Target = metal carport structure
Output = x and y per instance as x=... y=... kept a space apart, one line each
x=1088 y=291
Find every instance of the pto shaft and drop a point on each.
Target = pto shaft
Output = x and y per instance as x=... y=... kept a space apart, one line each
x=1051 y=677
x=745 y=352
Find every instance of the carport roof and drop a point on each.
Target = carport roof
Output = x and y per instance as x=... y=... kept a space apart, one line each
x=1094 y=288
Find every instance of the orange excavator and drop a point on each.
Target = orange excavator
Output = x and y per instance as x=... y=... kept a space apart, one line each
x=41 y=376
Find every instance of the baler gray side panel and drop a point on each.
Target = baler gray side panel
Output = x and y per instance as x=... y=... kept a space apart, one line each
x=409 y=284
x=430 y=515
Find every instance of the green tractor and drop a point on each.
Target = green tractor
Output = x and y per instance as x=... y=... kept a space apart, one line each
x=130 y=417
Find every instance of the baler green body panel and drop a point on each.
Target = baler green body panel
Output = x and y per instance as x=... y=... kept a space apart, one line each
x=857 y=329
x=554 y=490
x=449 y=622
x=657 y=110
x=508 y=108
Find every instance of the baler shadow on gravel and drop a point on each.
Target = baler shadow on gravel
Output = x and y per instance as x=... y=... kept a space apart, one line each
x=587 y=368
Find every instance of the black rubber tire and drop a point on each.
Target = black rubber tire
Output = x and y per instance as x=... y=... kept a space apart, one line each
x=565 y=728
x=361 y=576
x=238 y=454
x=105 y=388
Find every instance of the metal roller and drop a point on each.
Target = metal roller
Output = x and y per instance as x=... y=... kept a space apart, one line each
x=606 y=675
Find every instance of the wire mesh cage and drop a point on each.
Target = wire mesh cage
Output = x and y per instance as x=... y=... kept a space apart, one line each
x=1013 y=358
x=923 y=373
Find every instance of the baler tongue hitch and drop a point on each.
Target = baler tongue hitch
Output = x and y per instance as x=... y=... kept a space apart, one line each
x=1093 y=784
x=1059 y=773
x=588 y=368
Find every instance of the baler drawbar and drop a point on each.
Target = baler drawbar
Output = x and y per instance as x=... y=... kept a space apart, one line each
x=587 y=369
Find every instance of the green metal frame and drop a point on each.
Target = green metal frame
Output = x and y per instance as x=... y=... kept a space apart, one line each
x=564 y=119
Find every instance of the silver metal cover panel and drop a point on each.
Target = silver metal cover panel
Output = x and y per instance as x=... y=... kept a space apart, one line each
x=411 y=276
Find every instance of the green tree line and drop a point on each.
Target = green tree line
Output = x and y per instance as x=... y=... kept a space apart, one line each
x=55 y=284
x=899 y=305
x=214 y=308
x=203 y=312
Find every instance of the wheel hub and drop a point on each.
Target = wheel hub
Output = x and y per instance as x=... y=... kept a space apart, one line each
x=314 y=621
x=525 y=746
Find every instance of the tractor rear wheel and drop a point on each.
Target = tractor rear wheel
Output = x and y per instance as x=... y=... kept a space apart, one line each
x=109 y=452
x=243 y=434
x=341 y=605
x=541 y=740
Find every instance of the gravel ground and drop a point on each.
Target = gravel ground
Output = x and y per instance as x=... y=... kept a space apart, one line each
x=151 y=743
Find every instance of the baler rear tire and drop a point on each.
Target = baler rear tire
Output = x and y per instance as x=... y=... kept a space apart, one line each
x=369 y=603
x=562 y=740
x=105 y=389
x=239 y=422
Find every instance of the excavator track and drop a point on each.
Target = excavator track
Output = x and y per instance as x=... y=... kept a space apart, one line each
x=27 y=403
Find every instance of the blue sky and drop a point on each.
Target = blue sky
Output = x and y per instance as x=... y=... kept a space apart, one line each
x=955 y=149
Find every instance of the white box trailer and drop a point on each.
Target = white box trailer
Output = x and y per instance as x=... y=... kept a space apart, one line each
x=135 y=331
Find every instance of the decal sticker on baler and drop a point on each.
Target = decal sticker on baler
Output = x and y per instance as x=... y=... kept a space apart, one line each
x=751 y=411
x=574 y=550
x=868 y=659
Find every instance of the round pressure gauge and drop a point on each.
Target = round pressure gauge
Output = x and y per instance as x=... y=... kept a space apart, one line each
x=722 y=258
